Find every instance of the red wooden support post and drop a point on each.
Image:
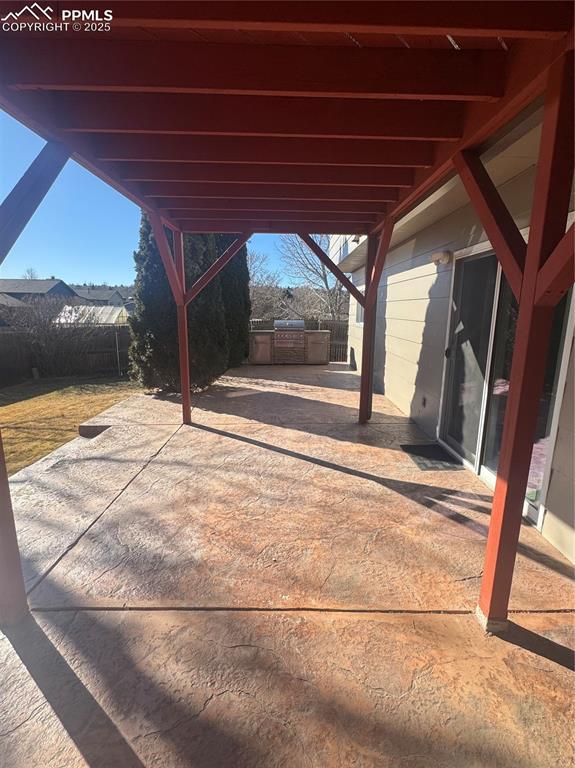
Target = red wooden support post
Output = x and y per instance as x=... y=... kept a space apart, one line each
x=13 y=603
x=548 y=222
x=183 y=346
x=374 y=268
x=368 y=342
x=379 y=263
x=332 y=266
x=176 y=278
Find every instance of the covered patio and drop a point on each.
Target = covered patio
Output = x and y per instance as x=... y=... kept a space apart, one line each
x=271 y=585
x=261 y=574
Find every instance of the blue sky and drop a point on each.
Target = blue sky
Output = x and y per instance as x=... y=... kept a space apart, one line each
x=83 y=231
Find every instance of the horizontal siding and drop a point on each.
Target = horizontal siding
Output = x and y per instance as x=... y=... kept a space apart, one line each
x=416 y=332
x=419 y=310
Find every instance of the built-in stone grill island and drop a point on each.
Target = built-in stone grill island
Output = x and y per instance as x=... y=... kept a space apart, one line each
x=289 y=343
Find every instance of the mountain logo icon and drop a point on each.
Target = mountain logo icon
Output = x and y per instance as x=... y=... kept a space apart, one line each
x=35 y=10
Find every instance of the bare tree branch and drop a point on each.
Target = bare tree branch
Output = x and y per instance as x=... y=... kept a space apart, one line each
x=303 y=267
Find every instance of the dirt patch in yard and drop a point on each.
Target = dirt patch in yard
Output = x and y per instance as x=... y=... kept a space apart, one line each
x=38 y=416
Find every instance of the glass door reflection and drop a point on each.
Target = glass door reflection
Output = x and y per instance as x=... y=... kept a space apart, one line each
x=507 y=311
x=467 y=352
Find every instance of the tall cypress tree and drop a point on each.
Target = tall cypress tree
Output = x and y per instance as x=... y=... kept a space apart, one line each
x=153 y=354
x=235 y=282
x=207 y=333
x=154 y=350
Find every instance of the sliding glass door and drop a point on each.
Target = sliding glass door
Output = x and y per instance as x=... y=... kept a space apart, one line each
x=467 y=352
x=477 y=370
x=499 y=388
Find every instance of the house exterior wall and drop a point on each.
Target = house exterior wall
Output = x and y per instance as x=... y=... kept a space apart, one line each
x=413 y=307
x=412 y=318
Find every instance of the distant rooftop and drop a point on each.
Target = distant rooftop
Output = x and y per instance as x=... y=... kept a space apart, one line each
x=98 y=294
x=10 y=301
x=28 y=286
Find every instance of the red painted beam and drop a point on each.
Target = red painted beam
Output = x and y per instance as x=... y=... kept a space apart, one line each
x=379 y=263
x=152 y=66
x=499 y=225
x=250 y=150
x=166 y=256
x=333 y=268
x=478 y=19
x=39 y=119
x=233 y=173
x=526 y=77
x=368 y=337
x=216 y=267
x=557 y=275
x=183 y=344
x=198 y=205
x=548 y=222
x=188 y=215
x=187 y=192
x=21 y=203
x=234 y=226
x=257 y=116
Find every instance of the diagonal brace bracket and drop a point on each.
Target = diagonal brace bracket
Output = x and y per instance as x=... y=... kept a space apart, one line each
x=333 y=268
x=502 y=231
x=166 y=256
x=557 y=274
x=22 y=202
x=216 y=267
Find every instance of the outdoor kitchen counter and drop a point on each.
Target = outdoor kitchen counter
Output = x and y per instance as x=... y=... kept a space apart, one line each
x=289 y=345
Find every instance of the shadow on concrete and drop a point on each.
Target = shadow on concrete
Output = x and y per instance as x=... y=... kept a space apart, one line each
x=429 y=496
x=93 y=732
x=333 y=376
x=166 y=728
x=539 y=645
x=145 y=703
x=300 y=413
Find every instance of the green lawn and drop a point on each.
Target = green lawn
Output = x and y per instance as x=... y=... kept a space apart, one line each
x=38 y=416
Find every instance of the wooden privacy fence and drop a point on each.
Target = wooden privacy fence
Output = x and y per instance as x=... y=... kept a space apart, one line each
x=338 y=329
x=71 y=351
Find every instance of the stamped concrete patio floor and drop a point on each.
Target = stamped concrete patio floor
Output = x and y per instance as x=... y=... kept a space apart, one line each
x=274 y=585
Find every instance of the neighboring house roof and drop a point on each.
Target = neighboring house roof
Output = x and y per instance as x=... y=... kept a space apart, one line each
x=98 y=294
x=81 y=314
x=10 y=301
x=39 y=287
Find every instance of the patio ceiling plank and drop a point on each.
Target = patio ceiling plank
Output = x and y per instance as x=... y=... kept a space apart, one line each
x=284 y=175
x=257 y=116
x=223 y=214
x=174 y=67
x=319 y=227
x=176 y=206
x=181 y=191
x=250 y=150
x=478 y=19
x=526 y=79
